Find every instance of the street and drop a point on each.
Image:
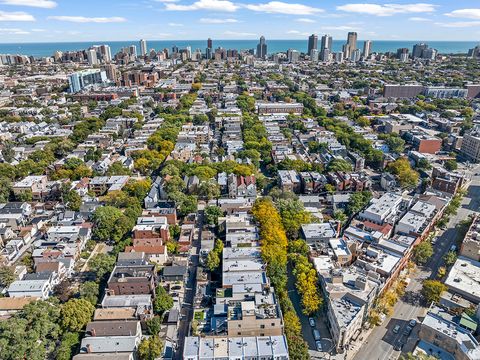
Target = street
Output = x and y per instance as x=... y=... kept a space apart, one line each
x=190 y=288
x=307 y=330
x=411 y=305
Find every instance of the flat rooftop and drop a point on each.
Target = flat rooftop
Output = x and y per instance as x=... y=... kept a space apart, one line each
x=464 y=277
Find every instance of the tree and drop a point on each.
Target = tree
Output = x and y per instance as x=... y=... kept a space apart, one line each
x=418 y=356
x=101 y=265
x=71 y=197
x=338 y=164
x=154 y=325
x=214 y=256
x=396 y=144
x=150 y=348
x=330 y=188
x=293 y=215
x=450 y=165
x=209 y=190
x=424 y=164
x=407 y=177
x=340 y=216
x=5 y=190
x=306 y=284
x=442 y=271
x=212 y=213
x=358 y=201
x=63 y=291
x=432 y=290
x=363 y=121
x=138 y=188
x=76 y=313
x=450 y=258
x=67 y=347
x=110 y=224
x=7 y=276
x=163 y=301
x=117 y=168
x=422 y=252
x=89 y=291
x=24 y=196
x=187 y=205
x=32 y=333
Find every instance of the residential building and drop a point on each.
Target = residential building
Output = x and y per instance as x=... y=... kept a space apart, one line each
x=438 y=329
x=220 y=348
x=86 y=78
x=471 y=145
x=470 y=247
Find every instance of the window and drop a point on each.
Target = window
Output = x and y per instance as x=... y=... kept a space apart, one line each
x=262 y=326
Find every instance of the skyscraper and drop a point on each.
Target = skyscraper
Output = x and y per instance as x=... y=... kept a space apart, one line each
x=418 y=50
x=132 y=50
x=326 y=42
x=92 y=57
x=293 y=55
x=106 y=53
x=326 y=47
x=208 y=52
x=367 y=48
x=262 y=48
x=143 y=47
x=351 y=43
x=402 y=54
x=312 y=43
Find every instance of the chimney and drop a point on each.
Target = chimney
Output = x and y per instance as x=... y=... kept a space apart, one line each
x=89 y=349
x=93 y=332
x=339 y=227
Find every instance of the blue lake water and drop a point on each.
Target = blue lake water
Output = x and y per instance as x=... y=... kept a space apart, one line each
x=274 y=46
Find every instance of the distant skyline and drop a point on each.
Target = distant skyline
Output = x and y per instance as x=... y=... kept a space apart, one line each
x=23 y=21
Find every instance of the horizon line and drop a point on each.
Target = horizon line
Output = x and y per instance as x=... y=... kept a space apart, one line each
x=163 y=40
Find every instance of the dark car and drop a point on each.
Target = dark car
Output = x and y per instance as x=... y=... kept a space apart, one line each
x=407 y=330
x=398 y=346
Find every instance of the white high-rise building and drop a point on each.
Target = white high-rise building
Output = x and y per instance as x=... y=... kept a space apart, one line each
x=92 y=57
x=326 y=43
x=367 y=49
x=106 y=52
x=143 y=47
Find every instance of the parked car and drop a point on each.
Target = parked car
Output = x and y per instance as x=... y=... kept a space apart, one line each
x=412 y=323
x=319 y=345
x=316 y=335
x=398 y=346
x=396 y=329
x=407 y=330
x=434 y=240
x=312 y=322
x=453 y=247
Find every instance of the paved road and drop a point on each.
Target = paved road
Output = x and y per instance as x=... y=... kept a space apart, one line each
x=190 y=288
x=411 y=306
x=307 y=330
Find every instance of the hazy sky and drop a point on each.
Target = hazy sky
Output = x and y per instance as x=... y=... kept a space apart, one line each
x=92 y=20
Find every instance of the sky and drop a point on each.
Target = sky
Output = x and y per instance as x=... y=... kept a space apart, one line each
x=111 y=20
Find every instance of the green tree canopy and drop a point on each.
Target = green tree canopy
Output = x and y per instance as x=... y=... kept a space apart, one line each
x=422 y=252
x=150 y=348
x=432 y=290
x=76 y=313
x=163 y=301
